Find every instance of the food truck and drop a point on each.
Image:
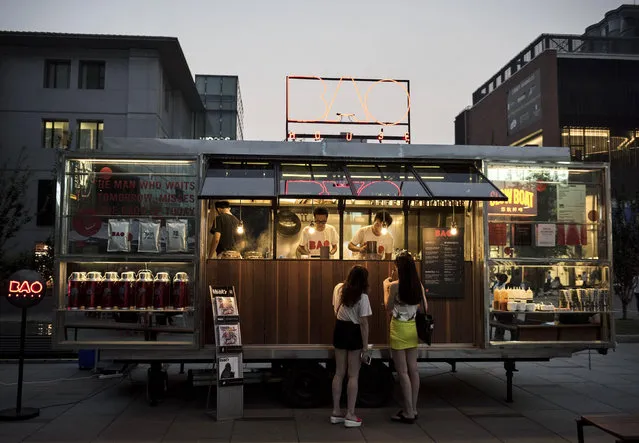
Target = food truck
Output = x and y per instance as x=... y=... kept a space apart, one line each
x=513 y=246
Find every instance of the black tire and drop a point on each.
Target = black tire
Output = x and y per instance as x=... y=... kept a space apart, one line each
x=376 y=384
x=306 y=385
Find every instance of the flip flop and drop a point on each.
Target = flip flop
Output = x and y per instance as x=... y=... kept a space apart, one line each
x=352 y=423
x=401 y=418
x=337 y=419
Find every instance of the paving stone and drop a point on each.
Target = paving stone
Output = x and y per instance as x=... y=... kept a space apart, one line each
x=264 y=430
x=518 y=429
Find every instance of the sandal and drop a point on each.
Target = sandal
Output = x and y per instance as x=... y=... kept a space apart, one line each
x=352 y=423
x=337 y=419
x=401 y=418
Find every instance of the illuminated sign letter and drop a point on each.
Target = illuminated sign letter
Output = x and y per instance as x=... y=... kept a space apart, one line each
x=349 y=136
x=291 y=135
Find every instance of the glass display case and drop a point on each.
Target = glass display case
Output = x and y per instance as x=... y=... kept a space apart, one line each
x=548 y=252
x=127 y=231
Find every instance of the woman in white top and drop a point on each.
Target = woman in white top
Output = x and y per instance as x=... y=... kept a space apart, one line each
x=352 y=309
x=403 y=298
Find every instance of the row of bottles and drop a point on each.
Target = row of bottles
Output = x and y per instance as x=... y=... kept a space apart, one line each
x=128 y=291
x=503 y=296
x=590 y=299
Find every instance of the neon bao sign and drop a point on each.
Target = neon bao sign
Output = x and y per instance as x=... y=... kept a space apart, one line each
x=364 y=89
x=26 y=288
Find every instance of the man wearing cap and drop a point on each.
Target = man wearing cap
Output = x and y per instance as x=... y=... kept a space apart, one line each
x=224 y=230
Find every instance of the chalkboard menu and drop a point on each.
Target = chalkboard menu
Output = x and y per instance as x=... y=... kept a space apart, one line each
x=443 y=262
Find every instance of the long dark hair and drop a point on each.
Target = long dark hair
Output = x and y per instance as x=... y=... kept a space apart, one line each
x=355 y=285
x=410 y=287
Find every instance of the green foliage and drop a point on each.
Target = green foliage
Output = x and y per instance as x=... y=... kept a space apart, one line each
x=14 y=213
x=625 y=247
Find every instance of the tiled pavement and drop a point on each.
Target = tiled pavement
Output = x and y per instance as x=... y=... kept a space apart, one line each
x=454 y=407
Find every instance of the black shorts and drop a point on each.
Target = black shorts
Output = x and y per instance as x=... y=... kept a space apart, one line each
x=347 y=335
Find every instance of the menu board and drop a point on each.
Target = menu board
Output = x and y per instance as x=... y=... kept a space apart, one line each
x=443 y=263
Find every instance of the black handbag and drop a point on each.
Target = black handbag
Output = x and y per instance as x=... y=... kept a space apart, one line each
x=425 y=325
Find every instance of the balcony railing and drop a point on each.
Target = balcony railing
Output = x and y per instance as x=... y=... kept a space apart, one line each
x=562 y=43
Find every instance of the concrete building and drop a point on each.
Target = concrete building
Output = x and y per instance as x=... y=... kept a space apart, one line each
x=68 y=91
x=579 y=91
x=223 y=102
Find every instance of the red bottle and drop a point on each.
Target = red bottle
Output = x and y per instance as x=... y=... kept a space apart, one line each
x=76 y=290
x=180 y=297
x=94 y=290
x=144 y=289
x=161 y=291
x=126 y=290
x=110 y=291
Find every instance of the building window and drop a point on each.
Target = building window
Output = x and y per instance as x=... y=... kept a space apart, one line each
x=45 y=215
x=55 y=134
x=91 y=75
x=57 y=74
x=90 y=135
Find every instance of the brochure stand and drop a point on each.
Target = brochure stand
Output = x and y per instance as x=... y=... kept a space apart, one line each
x=228 y=355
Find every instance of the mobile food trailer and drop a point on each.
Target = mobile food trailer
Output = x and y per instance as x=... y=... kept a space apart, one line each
x=526 y=276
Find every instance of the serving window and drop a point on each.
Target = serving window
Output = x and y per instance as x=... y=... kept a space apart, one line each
x=548 y=255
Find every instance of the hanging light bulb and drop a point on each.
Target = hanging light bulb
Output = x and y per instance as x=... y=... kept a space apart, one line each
x=453 y=224
x=311 y=227
x=384 y=228
x=453 y=228
x=240 y=226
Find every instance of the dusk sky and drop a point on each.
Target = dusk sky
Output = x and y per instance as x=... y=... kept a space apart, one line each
x=446 y=48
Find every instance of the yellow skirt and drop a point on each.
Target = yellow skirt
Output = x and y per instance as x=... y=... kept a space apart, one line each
x=403 y=334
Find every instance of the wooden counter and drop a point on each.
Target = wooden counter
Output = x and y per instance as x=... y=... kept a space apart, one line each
x=289 y=301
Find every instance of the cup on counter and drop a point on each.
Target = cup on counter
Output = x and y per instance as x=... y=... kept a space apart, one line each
x=521 y=306
x=530 y=307
x=511 y=306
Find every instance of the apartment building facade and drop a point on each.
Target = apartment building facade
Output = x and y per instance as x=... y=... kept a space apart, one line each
x=69 y=91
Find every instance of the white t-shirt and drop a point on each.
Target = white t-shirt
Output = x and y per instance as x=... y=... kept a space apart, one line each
x=402 y=311
x=385 y=243
x=360 y=309
x=313 y=242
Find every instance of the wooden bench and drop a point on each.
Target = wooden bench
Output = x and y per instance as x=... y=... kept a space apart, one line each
x=624 y=427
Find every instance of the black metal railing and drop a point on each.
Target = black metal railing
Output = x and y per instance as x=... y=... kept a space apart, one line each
x=562 y=43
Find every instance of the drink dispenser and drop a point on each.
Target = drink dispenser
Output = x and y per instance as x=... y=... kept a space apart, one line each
x=181 y=298
x=76 y=290
x=144 y=289
x=127 y=290
x=94 y=290
x=161 y=291
x=110 y=291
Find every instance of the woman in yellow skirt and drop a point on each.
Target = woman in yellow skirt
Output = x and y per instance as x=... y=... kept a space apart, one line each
x=403 y=299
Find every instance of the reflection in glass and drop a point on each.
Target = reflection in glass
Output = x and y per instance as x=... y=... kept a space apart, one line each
x=385 y=181
x=458 y=181
x=239 y=179
x=313 y=180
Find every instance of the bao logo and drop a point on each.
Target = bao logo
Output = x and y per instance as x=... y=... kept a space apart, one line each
x=25 y=288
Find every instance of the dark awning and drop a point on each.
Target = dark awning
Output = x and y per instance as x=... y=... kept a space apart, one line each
x=239 y=179
x=461 y=182
x=255 y=179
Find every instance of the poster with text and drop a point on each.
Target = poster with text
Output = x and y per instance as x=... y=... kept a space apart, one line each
x=571 y=203
x=546 y=235
x=443 y=262
x=229 y=370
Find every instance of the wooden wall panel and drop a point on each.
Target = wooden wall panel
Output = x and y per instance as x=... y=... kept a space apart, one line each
x=290 y=301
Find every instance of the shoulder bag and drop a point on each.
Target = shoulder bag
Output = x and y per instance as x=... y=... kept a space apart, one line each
x=425 y=324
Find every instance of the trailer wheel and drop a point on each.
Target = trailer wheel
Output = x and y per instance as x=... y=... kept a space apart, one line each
x=376 y=384
x=157 y=382
x=305 y=385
